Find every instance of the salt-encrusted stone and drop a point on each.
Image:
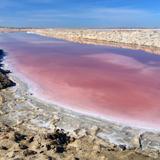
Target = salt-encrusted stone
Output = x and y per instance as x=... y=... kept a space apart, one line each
x=81 y=133
x=94 y=130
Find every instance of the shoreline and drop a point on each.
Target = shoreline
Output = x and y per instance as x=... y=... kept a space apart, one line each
x=33 y=88
x=25 y=83
x=138 y=39
x=150 y=50
x=116 y=37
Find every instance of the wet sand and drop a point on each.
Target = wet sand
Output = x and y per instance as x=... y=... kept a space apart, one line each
x=118 y=84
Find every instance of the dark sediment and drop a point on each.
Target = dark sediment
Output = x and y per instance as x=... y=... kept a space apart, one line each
x=5 y=82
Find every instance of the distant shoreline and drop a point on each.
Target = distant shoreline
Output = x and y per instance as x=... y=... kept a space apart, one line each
x=139 y=39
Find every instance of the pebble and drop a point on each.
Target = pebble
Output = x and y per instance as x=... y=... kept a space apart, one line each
x=28 y=152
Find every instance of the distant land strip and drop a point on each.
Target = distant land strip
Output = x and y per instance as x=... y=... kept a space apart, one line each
x=140 y=39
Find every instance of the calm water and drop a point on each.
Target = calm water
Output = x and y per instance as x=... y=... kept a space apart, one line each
x=116 y=83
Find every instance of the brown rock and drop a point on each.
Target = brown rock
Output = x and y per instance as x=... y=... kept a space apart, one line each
x=19 y=137
x=22 y=146
x=28 y=152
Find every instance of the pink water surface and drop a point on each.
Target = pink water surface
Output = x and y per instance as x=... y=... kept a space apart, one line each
x=116 y=83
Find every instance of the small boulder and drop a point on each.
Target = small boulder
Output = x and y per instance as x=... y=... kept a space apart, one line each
x=22 y=146
x=122 y=147
x=19 y=137
x=28 y=152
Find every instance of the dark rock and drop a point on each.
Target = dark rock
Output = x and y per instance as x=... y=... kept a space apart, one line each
x=111 y=149
x=19 y=137
x=22 y=146
x=76 y=158
x=2 y=54
x=3 y=148
x=60 y=149
x=59 y=137
x=140 y=140
x=48 y=147
x=18 y=159
x=122 y=147
x=50 y=158
x=28 y=152
x=5 y=71
x=58 y=140
x=31 y=140
x=5 y=82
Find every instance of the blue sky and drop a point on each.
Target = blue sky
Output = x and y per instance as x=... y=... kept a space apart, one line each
x=80 y=13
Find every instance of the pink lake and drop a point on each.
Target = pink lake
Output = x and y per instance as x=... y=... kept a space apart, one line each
x=118 y=84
